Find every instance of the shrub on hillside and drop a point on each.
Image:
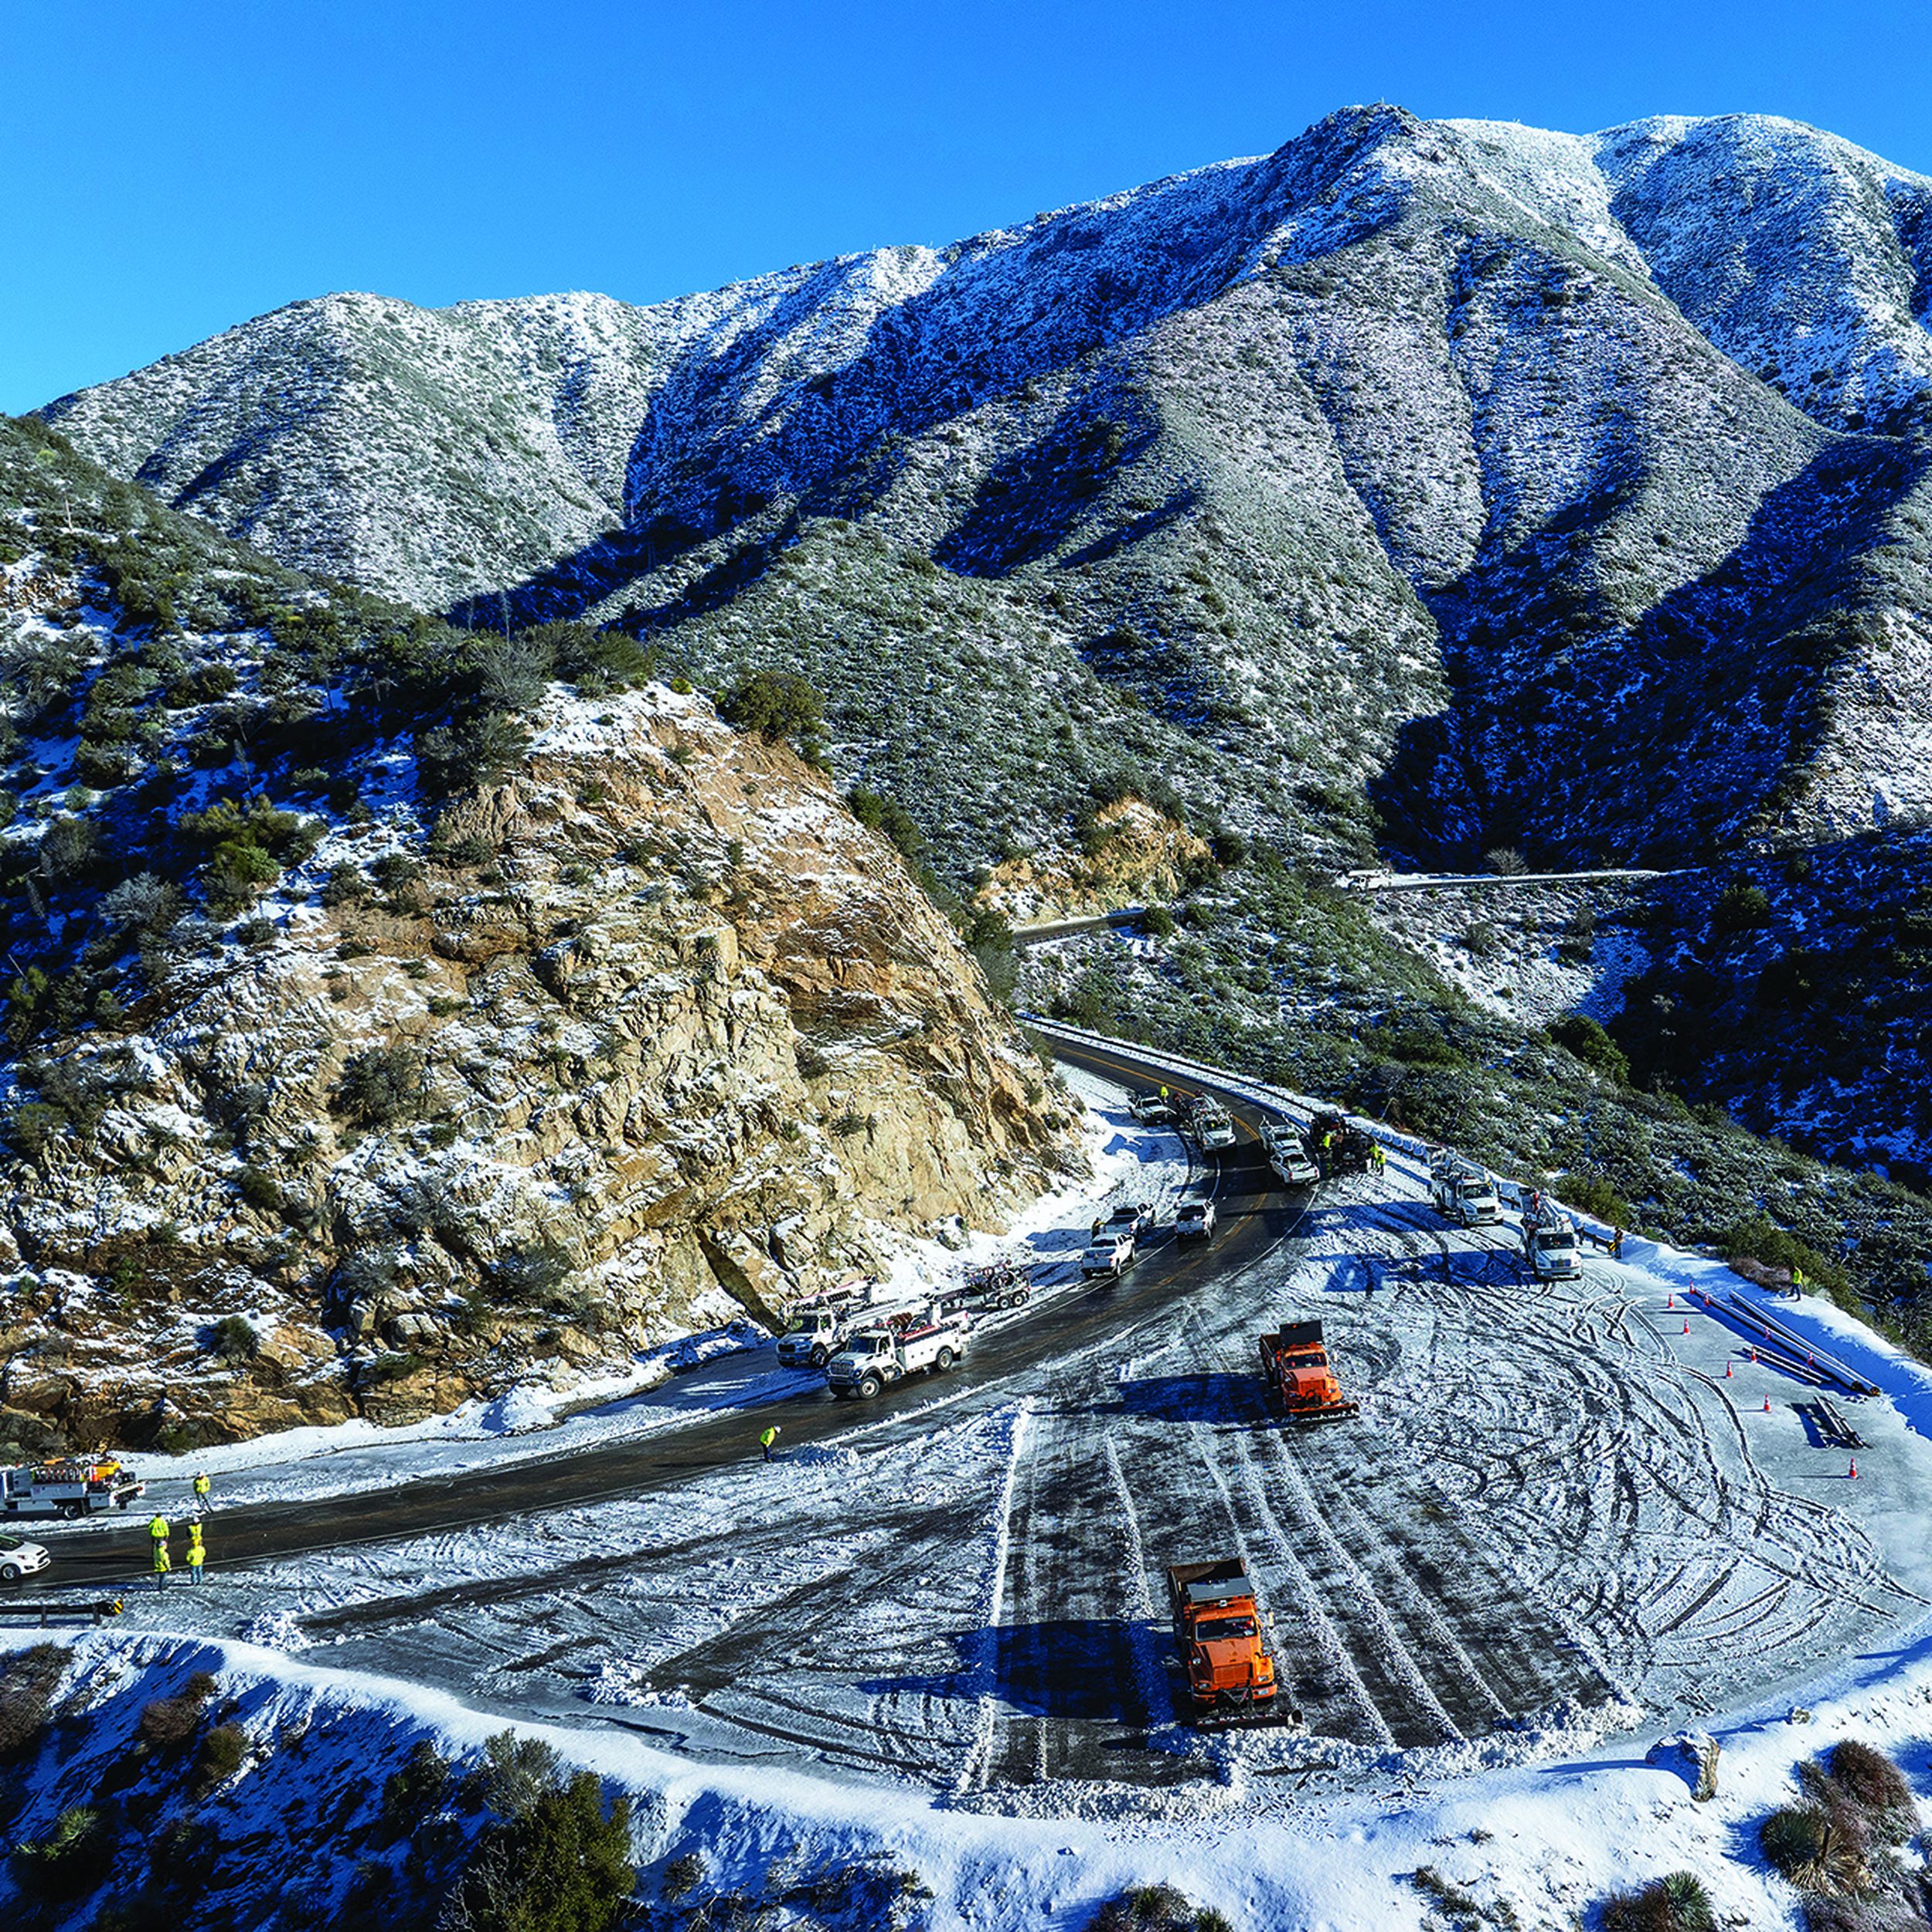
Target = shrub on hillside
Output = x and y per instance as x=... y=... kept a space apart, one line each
x=1594 y=1194
x=1578 y=1034
x=778 y=706
x=27 y=1685
x=1741 y=907
x=1157 y=1908
x=71 y=1860
x=553 y=1859
x=1678 y=1904
x=378 y=1086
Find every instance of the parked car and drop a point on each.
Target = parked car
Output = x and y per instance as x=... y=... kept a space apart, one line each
x=20 y=1559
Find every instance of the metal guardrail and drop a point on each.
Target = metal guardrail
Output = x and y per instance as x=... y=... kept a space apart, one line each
x=45 y=1612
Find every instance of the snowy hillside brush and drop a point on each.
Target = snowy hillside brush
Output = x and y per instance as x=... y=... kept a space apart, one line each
x=1302 y=984
x=389 y=1020
x=1456 y=456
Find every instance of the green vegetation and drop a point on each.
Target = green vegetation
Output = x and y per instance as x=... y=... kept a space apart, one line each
x=779 y=705
x=1158 y=1908
x=1677 y=1904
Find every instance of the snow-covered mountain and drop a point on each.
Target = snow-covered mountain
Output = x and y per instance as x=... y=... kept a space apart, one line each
x=1451 y=460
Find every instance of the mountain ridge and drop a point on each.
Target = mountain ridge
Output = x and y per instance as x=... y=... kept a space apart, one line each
x=1466 y=426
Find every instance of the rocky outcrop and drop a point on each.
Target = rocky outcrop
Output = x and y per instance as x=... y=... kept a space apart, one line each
x=1133 y=855
x=655 y=1033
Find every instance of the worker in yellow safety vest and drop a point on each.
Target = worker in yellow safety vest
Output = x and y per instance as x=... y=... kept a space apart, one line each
x=163 y=1563
x=203 y=1486
x=158 y=1528
x=196 y=1554
x=768 y=1439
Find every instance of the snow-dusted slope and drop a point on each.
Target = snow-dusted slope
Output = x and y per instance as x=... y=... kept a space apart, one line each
x=1497 y=450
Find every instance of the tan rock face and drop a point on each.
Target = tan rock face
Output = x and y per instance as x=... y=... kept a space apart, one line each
x=1136 y=855
x=677 y=1038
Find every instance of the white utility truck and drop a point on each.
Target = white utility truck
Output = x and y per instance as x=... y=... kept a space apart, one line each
x=69 y=1489
x=1461 y=1191
x=1550 y=1242
x=874 y=1357
x=1210 y=1124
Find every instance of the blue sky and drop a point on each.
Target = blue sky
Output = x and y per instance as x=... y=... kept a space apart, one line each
x=173 y=166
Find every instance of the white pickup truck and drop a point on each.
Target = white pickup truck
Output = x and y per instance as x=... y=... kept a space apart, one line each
x=70 y=1489
x=1288 y=1155
x=874 y=1357
x=1212 y=1125
x=1109 y=1256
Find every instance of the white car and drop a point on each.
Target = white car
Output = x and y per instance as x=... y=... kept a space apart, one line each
x=20 y=1559
x=1109 y=1256
x=1196 y=1218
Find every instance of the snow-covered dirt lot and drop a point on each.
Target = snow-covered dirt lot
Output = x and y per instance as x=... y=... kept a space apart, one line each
x=1557 y=1515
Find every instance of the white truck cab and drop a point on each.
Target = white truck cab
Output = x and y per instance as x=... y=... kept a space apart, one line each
x=874 y=1357
x=1463 y=1192
x=1549 y=1244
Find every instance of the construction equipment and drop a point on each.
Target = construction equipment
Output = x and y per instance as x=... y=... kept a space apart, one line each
x=1302 y=1382
x=995 y=1284
x=1338 y=1145
x=70 y=1488
x=876 y=1356
x=1550 y=1241
x=1222 y=1636
x=1462 y=1191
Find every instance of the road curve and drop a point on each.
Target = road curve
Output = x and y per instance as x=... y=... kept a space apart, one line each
x=1257 y=1215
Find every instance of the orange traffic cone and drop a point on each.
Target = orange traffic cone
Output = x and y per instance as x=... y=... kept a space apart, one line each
x=1727 y=1369
x=1854 y=1469
x=1767 y=1405
x=1687 y=1324
x=1670 y=1302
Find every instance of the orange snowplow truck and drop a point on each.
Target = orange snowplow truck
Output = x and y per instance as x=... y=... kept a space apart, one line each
x=1295 y=1363
x=1218 y=1627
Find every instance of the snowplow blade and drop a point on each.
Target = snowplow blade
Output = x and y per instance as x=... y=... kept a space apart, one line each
x=1276 y=1710
x=1335 y=1412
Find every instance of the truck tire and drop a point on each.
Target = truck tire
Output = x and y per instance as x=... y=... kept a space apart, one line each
x=12 y=1573
x=870 y=1386
x=819 y=1358
x=72 y=1511
x=943 y=1360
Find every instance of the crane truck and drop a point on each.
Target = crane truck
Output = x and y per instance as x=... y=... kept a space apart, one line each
x=1301 y=1382
x=1222 y=1637
x=71 y=1489
x=1339 y=1145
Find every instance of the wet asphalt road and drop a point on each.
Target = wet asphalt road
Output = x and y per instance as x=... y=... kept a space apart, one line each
x=1255 y=1216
